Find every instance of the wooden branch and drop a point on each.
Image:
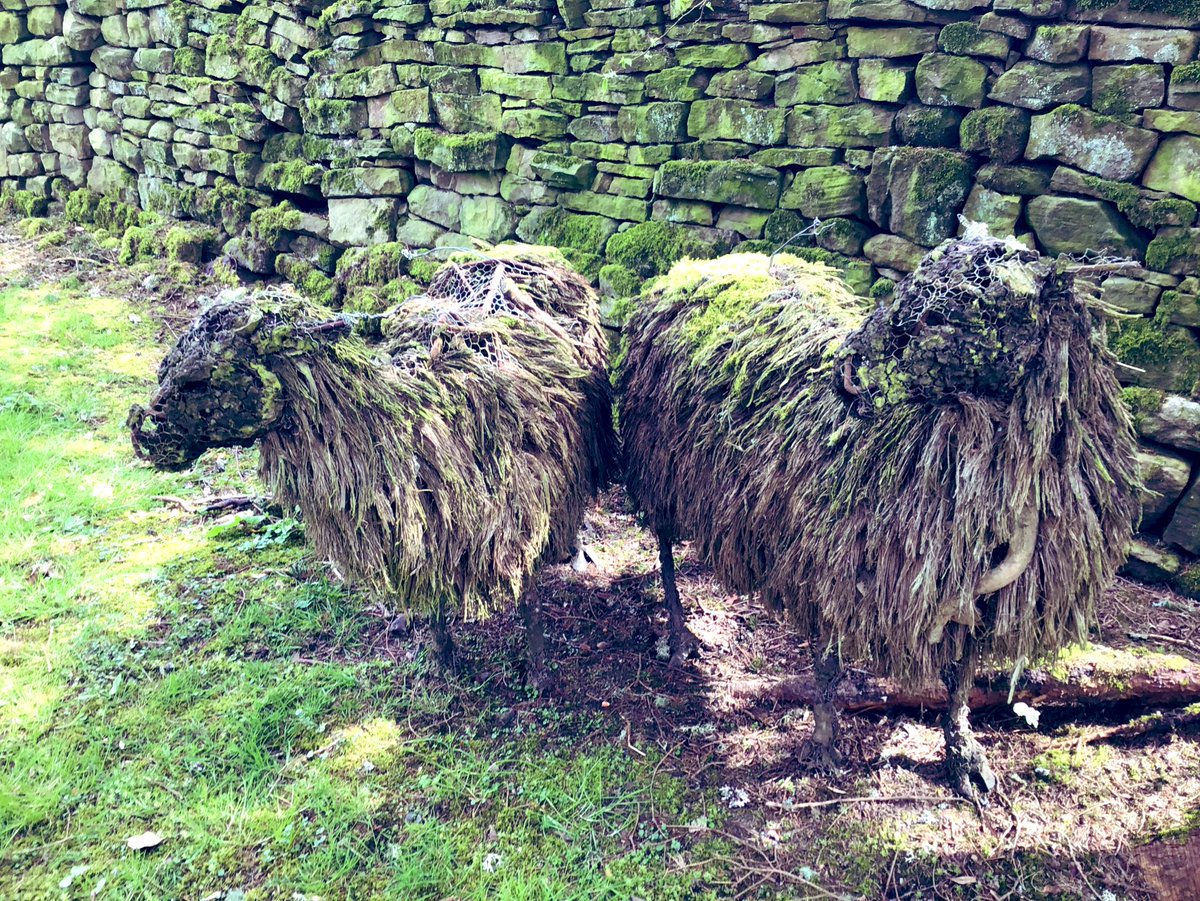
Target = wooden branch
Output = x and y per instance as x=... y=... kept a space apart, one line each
x=1085 y=685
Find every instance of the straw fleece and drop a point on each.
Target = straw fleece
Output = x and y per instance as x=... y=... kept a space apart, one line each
x=448 y=463
x=862 y=472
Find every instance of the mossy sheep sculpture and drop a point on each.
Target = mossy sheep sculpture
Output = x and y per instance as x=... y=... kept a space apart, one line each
x=442 y=466
x=947 y=479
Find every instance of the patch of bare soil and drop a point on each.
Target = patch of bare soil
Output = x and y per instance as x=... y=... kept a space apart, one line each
x=1080 y=797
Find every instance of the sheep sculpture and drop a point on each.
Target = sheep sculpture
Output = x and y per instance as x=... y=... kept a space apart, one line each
x=945 y=480
x=441 y=466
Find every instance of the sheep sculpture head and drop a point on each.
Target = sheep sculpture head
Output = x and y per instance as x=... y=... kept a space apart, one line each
x=213 y=387
x=968 y=322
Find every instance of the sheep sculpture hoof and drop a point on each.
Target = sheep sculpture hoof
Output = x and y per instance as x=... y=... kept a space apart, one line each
x=684 y=646
x=967 y=765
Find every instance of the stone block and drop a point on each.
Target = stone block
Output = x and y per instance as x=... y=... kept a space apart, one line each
x=997 y=132
x=662 y=122
x=945 y=80
x=1076 y=226
x=918 y=192
x=563 y=171
x=433 y=205
x=488 y=218
x=883 y=81
x=1058 y=44
x=359 y=221
x=1175 y=167
x=1173 y=46
x=860 y=125
x=735 y=120
x=999 y=212
x=403 y=107
x=735 y=181
x=1117 y=90
x=1036 y=86
x=888 y=43
x=825 y=191
x=1096 y=144
x=830 y=82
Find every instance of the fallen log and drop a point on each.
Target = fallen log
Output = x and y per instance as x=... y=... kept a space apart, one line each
x=1109 y=678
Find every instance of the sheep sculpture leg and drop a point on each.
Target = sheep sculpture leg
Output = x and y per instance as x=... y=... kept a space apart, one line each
x=530 y=609
x=966 y=764
x=827 y=672
x=443 y=639
x=682 y=641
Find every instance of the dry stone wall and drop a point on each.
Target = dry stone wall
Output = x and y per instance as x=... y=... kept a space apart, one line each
x=628 y=132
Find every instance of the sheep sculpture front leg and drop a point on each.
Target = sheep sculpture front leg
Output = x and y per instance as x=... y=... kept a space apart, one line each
x=966 y=763
x=443 y=638
x=682 y=641
x=530 y=609
x=827 y=672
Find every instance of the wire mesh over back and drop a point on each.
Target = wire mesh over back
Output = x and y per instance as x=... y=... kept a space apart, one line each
x=463 y=295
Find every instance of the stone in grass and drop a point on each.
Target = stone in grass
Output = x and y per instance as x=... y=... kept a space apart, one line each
x=357 y=221
x=998 y=132
x=917 y=192
x=1098 y=144
x=735 y=181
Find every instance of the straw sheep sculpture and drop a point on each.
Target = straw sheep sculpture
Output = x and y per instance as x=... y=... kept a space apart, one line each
x=441 y=467
x=946 y=480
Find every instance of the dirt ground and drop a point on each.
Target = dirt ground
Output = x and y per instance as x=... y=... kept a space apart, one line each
x=1097 y=802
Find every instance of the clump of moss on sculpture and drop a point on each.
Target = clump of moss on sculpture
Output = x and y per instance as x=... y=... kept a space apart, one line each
x=443 y=466
x=946 y=479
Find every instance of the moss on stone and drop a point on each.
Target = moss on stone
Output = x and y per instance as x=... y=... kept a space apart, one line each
x=482 y=151
x=137 y=244
x=1167 y=249
x=651 y=248
x=620 y=282
x=961 y=37
x=269 y=224
x=1142 y=402
x=882 y=287
x=1153 y=345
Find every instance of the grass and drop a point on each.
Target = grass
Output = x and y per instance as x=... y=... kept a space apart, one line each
x=155 y=675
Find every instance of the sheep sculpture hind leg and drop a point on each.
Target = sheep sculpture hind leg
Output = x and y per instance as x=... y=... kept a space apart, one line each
x=683 y=643
x=827 y=672
x=443 y=639
x=966 y=764
x=530 y=609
